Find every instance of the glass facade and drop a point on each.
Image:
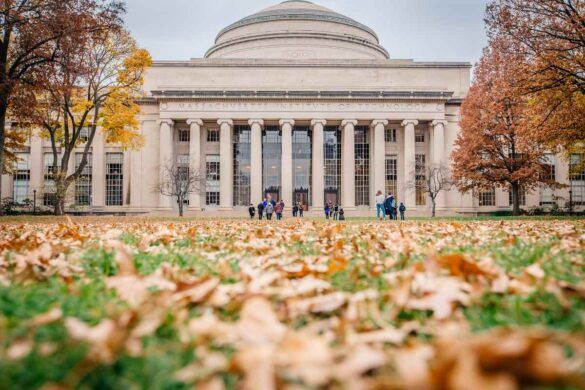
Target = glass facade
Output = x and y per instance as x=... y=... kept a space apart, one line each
x=420 y=180
x=487 y=197
x=547 y=195
x=271 y=162
x=84 y=181
x=391 y=174
x=212 y=180
x=21 y=178
x=332 y=155
x=114 y=179
x=242 y=163
x=301 y=160
x=362 y=166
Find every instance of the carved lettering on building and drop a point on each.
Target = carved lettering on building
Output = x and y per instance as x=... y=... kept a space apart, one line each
x=301 y=106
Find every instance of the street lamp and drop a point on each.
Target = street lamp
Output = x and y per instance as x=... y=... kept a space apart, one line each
x=34 y=202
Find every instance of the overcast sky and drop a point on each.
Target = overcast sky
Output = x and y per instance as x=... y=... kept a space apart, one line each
x=423 y=30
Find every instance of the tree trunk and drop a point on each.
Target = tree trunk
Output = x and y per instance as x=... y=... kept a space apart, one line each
x=181 y=205
x=516 y=198
x=434 y=207
x=3 y=110
x=61 y=187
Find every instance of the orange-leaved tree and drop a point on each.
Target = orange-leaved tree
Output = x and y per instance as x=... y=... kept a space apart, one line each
x=91 y=87
x=550 y=36
x=495 y=147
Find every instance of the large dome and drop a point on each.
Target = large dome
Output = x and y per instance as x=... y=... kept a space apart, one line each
x=297 y=29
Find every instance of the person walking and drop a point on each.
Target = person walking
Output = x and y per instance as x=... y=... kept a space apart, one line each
x=402 y=210
x=327 y=211
x=269 y=210
x=301 y=210
x=341 y=215
x=389 y=205
x=295 y=210
x=336 y=212
x=278 y=211
x=281 y=208
x=260 y=210
x=380 y=210
x=252 y=211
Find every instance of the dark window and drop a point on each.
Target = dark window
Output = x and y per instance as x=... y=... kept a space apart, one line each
x=271 y=162
x=421 y=176
x=242 y=163
x=301 y=154
x=390 y=135
x=84 y=181
x=114 y=179
x=184 y=135
x=391 y=174
x=212 y=135
x=332 y=145
x=362 y=166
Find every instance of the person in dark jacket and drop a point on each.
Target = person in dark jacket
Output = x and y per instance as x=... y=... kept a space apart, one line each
x=252 y=211
x=327 y=211
x=402 y=210
x=389 y=205
x=341 y=215
x=295 y=210
x=260 y=210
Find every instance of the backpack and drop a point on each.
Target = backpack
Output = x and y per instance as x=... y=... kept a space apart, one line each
x=269 y=208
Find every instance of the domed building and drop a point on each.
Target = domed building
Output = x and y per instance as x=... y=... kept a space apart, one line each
x=296 y=103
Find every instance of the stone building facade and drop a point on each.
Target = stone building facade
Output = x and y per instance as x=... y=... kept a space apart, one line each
x=296 y=102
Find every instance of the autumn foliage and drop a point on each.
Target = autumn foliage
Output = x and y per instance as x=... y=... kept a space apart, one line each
x=495 y=147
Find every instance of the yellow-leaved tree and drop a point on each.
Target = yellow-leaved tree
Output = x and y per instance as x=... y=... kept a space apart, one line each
x=91 y=88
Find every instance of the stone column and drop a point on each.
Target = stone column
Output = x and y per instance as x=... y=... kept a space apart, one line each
x=348 y=165
x=409 y=163
x=379 y=126
x=136 y=175
x=226 y=165
x=439 y=158
x=98 y=179
x=165 y=158
x=318 y=164
x=256 y=188
x=195 y=161
x=287 y=164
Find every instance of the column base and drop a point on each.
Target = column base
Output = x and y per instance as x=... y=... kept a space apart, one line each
x=225 y=208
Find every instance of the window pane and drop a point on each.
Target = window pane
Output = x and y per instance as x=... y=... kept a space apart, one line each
x=391 y=174
x=302 y=154
x=271 y=162
x=242 y=164
x=84 y=181
x=362 y=166
x=420 y=180
x=332 y=154
x=114 y=179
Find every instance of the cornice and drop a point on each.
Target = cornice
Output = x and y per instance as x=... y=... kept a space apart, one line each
x=304 y=63
x=301 y=95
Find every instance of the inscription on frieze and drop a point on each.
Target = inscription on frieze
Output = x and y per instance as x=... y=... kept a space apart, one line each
x=302 y=106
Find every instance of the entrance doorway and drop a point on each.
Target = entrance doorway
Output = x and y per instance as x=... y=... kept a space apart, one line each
x=273 y=194
x=302 y=196
x=331 y=197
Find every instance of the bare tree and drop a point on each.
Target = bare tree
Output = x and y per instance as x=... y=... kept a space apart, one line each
x=178 y=182
x=431 y=180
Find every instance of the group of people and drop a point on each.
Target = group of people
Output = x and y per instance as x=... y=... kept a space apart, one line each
x=386 y=207
x=334 y=212
x=269 y=207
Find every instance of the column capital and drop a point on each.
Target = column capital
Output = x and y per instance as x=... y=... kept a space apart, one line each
x=439 y=122
x=407 y=122
x=377 y=122
x=169 y=122
x=283 y=122
x=251 y=122
x=228 y=122
x=346 y=122
x=321 y=122
x=198 y=122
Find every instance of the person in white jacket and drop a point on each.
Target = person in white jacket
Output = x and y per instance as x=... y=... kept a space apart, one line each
x=380 y=210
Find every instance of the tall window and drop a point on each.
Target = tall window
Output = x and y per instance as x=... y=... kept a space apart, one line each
x=184 y=135
x=390 y=135
x=114 y=179
x=419 y=135
x=420 y=180
x=242 y=163
x=83 y=183
x=84 y=134
x=301 y=151
x=49 y=184
x=577 y=178
x=362 y=166
x=212 y=179
x=271 y=162
x=547 y=196
x=487 y=197
x=212 y=135
x=391 y=174
x=21 y=178
x=522 y=196
x=332 y=153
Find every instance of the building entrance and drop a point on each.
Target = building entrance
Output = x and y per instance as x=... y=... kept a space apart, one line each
x=302 y=196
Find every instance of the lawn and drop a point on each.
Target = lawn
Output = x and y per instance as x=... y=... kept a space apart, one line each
x=168 y=304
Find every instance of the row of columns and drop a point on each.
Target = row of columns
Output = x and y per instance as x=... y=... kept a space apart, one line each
x=318 y=165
